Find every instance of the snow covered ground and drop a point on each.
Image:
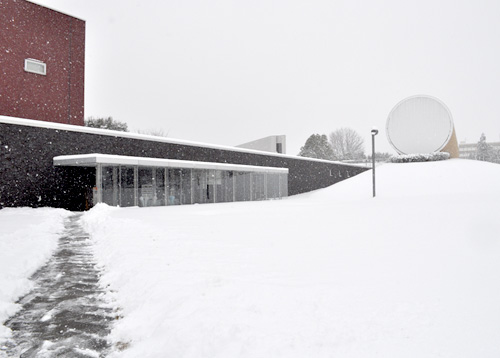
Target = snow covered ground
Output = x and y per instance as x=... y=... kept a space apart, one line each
x=414 y=272
x=28 y=238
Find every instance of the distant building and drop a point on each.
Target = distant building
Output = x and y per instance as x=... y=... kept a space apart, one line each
x=42 y=61
x=273 y=144
x=468 y=150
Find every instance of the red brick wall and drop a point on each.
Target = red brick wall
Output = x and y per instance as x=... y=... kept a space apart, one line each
x=32 y=31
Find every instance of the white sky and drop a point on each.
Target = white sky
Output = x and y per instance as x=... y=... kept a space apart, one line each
x=228 y=72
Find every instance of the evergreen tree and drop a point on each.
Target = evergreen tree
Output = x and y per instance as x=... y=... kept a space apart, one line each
x=106 y=123
x=317 y=146
x=484 y=151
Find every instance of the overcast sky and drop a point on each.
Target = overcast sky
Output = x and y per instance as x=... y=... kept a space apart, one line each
x=228 y=72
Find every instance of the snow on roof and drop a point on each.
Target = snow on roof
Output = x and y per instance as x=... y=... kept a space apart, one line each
x=150 y=138
x=96 y=158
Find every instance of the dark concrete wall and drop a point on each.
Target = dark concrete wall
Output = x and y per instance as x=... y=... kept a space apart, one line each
x=28 y=177
x=32 y=31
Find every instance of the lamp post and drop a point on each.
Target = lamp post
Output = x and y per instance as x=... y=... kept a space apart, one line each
x=374 y=133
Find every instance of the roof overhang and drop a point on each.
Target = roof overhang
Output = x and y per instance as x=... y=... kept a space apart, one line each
x=92 y=160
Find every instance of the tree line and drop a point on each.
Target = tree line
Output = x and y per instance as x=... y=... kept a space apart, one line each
x=341 y=144
x=113 y=124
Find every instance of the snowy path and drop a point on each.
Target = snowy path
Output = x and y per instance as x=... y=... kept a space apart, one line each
x=65 y=314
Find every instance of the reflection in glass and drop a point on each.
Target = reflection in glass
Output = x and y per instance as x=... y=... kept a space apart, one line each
x=218 y=187
x=258 y=186
x=283 y=185
x=173 y=186
x=147 y=195
x=127 y=186
x=210 y=186
x=273 y=186
x=185 y=186
x=159 y=185
x=242 y=186
x=227 y=186
x=199 y=185
x=109 y=186
x=152 y=186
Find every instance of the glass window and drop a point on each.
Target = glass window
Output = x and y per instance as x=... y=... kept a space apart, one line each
x=283 y=185
x=242 y=186
x=228 y=186
x=210 y=186
x=159 y=185
x=218 y=187
x=173 y=186
x=146 y=190
x=258 y=186
x=185 y=186
x=127 y=186
x=199 y=186
x=224 y=186
x=273 y=186
x=109 y=189
x=152 y=186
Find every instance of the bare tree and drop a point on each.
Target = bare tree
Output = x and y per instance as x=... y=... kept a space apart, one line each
x=347 y=144
x=158 y=132
x=106 y=123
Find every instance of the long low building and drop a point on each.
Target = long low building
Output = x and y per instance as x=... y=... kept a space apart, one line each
x=136 y=181
x=74 y=167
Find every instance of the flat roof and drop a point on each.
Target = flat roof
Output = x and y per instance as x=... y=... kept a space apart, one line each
x=90 y=160
x=150 y=138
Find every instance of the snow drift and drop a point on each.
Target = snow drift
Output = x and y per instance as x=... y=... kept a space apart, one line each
x=413 y=272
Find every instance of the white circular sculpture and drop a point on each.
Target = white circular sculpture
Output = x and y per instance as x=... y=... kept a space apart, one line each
x=421 y=124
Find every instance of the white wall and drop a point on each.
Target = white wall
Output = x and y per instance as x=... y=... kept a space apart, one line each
x=267 y=144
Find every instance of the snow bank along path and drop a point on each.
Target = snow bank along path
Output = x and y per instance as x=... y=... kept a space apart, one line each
x=28 y=238
x=65 y=314
x=333 y=273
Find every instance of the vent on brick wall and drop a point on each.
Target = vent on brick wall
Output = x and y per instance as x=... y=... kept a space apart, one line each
x=35 y=66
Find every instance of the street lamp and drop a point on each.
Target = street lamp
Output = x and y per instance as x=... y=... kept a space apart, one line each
x=374 y=133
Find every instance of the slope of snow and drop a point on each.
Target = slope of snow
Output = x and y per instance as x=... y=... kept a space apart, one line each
x=27 y=239
x=414 y=272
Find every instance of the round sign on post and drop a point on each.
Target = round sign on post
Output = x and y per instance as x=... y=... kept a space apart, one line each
x=420 y=124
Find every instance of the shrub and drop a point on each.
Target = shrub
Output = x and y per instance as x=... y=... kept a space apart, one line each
x=426 y=157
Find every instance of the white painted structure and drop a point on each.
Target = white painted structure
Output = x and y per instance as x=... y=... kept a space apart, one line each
x=419 y=124
x=272 y=144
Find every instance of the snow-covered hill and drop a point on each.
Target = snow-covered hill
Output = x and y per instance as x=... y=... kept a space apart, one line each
x=414 y=272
